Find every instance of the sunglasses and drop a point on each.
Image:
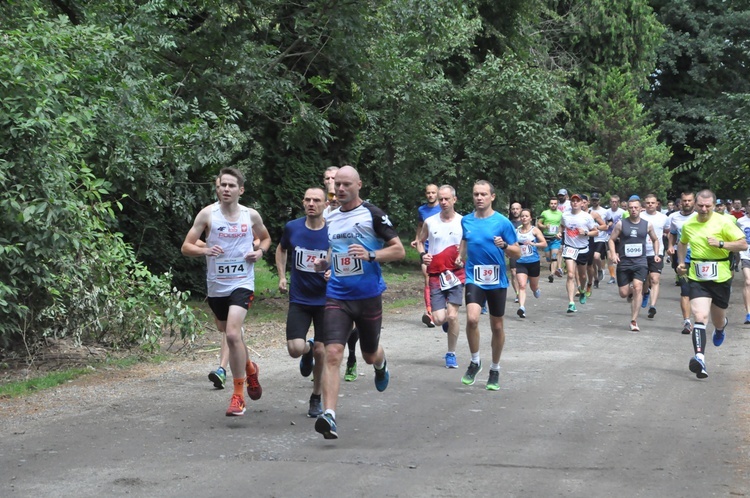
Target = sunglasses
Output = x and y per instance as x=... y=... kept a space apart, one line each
x=331 y=196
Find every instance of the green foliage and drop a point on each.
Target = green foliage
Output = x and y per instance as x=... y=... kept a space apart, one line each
x=725 y=166
x=635 y=160
x=65 y=271
x=702 y=62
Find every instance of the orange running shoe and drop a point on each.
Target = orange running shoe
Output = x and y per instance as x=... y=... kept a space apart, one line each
x=236 y=406
x=253 y=386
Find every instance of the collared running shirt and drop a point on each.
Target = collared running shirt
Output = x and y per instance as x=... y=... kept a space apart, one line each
x=708 y=263
x=354 y=279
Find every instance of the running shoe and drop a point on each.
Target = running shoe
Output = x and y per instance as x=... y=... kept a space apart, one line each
x=493 y=383
x=382 y=377
x=634 y=326
x=687 y=328
x=630 y=298
x=450 y=360
x=600 y=275
x=445 y=327
x=351 y=372
x=316 y=407
x=306 y=361
x=572 y=308
x=552 y=279
x=253 y=386
x=559 y=272
x=652 y=312
x=218 y=377
x=427 y=320
x=516 y=299
x=580 y=292
x=588 y=290
x=471 y=373
x=596 y=283
x=236 y=406
x=484 y=309
x=718 y=336
x=747 y=319
x=612 y=280
x=644 y=301
x=698 y=367
x=538 y=293
x=582 y=299
x=326 y=425
x=521 y=312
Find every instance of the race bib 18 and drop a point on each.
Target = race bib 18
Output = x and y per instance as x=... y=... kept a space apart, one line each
x=345 y=265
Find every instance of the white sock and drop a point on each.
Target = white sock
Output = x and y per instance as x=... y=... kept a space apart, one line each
x=495 y=366
x=475 y=357
x=331 y=413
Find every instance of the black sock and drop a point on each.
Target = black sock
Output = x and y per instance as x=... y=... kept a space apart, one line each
x=699 y=337
x=315 y=396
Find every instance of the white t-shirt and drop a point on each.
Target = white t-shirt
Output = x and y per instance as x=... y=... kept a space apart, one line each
x=744 y=224
x=603 y=235
x=575 y=225
x=660 y=222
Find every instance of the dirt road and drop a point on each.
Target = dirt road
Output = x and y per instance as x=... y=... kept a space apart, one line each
x=586 y=408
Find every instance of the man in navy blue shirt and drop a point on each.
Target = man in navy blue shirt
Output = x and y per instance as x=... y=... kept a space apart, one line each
x=307 y=240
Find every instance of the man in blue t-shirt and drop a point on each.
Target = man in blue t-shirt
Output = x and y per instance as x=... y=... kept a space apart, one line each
x=307 y=239
x=488 y=237
x=360 y=237
x=430 y=208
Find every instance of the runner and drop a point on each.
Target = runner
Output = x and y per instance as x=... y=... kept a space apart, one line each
x=598 y=245
x=447 y=277
x=711 y=238
x=630 y=258
x=360 y=236
x=487 y=237
x=591 y=276
x=530 y=239
x=660 y=222
x=676 y=220
x=515 y=218
x=563 y=205
x=611 y=217
x=307 y=238
x=351 y=373
x=549 y=223
x=576 y=228
x=744 y=224
x=430 y=208
x=229 y=228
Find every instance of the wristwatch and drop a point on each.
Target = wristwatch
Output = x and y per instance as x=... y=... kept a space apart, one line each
x=721 y=244
x=372 y=256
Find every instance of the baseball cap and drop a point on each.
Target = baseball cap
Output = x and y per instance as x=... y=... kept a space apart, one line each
x=584 y=197
x=575 y=196
x=634 y=198
x=595 y=196
x=562 y=191
x=719 y=202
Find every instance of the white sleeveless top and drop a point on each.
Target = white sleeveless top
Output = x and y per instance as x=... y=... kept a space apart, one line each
x=230 y=271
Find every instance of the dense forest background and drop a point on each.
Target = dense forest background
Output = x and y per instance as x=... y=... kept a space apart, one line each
x=115 y=117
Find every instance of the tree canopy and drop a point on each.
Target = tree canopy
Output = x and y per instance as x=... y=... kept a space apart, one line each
x=116 y=116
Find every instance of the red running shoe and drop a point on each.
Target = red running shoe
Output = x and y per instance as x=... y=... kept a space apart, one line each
x=236 y=406
x=253 y=386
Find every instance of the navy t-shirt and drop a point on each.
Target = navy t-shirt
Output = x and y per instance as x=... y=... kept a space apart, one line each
x=303 y=246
